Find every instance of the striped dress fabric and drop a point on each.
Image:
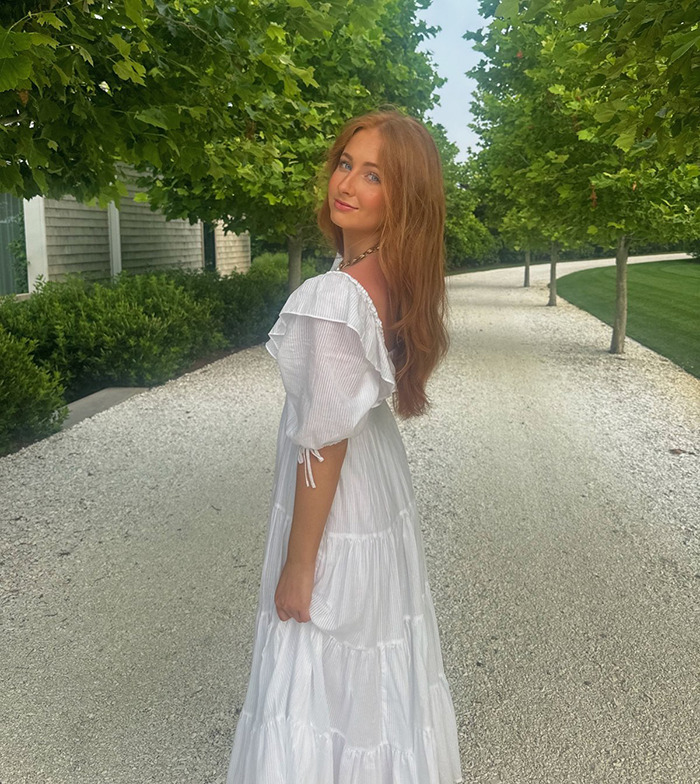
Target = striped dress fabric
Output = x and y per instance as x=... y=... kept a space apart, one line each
x=358 y=694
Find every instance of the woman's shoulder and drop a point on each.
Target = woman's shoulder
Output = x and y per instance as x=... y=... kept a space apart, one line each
x=332 y=295
x=336 y=296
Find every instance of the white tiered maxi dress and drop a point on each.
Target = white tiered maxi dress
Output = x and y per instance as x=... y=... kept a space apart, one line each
x=358 y=694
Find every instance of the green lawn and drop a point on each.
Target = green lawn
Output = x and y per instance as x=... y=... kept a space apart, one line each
x=663 y=305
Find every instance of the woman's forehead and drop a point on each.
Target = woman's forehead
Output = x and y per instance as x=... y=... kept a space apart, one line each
x=365 y=146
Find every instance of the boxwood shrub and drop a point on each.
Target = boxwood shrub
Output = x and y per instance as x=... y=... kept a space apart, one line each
x=75 y=337
x=31 y=397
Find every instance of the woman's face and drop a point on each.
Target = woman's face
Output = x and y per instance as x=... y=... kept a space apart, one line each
x=355 y=190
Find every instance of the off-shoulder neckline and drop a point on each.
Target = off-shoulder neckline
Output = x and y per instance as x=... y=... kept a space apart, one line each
x=370 y=303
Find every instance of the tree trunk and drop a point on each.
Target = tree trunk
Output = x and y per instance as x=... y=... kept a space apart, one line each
x=617 y=345
x=553 y=274
x=527 y=268
x=295 y=246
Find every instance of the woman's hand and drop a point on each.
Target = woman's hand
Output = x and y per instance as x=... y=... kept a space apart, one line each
x=293 y=594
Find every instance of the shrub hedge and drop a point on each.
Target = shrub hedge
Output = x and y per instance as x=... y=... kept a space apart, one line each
x=74 y=337
x=31 y=398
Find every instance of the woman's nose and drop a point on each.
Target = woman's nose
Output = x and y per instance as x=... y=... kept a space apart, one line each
x=346 y=184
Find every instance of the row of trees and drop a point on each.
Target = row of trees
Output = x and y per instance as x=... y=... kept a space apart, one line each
x=588 y=113
x=225 y=109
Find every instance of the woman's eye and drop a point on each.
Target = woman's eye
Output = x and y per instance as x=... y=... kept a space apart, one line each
x=344 y=163
x=373 y=177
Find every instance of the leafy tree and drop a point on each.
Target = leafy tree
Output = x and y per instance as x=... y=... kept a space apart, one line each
x=466 y=237
x=527 y=147
x=500 y=209
x=550 y=168
x=362 y=57
x=226 y=111
x=648 y=51
x=87 y=85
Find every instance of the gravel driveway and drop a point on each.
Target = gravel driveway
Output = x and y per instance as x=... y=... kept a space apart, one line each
x=558 y=486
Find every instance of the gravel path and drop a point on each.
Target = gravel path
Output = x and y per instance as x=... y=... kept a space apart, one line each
x=561 y=531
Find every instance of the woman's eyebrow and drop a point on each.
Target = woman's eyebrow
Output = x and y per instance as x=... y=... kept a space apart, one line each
x=366 y=163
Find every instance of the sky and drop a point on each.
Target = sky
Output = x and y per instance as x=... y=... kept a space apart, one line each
x=452 y=56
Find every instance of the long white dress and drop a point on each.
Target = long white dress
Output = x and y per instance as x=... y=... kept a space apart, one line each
x=358 y=694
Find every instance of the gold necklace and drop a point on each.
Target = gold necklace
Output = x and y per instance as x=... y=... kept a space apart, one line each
x=344 y=264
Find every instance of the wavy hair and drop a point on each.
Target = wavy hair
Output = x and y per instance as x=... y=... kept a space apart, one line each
x=412 y=255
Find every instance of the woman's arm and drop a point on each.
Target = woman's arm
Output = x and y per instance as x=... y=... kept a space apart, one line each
x=311 y=509
x=312 y=505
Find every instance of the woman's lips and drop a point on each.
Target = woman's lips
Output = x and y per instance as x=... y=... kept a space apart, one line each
x=342 y=206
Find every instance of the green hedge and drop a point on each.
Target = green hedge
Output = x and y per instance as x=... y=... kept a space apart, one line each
x=31 y=398
x=72 y=338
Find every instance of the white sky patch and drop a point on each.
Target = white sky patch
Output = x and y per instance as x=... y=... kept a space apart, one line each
x=453 y=56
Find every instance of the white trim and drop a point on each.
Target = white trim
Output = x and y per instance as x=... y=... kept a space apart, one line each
x=35 y=239
x=115 y=243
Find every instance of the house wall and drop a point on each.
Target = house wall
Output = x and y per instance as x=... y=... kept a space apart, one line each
x=150 y=241
x=232 y=251
x=64 y=236
x=76 y=239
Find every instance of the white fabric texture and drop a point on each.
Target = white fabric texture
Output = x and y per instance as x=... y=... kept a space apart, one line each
x=358 y=694
x=326 y=345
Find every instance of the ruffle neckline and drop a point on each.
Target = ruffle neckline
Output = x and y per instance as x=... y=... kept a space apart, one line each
x=370 y=304
x=368 y=299
x=359 y=313
x=379 y=355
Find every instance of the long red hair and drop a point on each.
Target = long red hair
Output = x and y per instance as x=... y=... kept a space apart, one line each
x=412 y=255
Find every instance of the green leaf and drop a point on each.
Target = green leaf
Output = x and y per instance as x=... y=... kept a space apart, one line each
x=134 y=10
x=151 y=154
x=693 y=42
x=49 y=18
x=120 y=44
x=41 y=39
x=590 y=12
x=62 y=75
x=604 y=113
x=129 y=70
x=626 y=139
x=40 y=179
x=508 y=9
x=276 y=32
x=14 y=71
x=160 y=118
x=83 y=52
x=14 y=42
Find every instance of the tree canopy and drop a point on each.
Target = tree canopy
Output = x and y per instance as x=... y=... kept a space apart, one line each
x=649 y=52
x=573 y=150
x=87 y=85
x=225 y=110
x=559 y=169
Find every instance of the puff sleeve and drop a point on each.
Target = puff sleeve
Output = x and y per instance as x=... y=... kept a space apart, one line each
x=327 y=370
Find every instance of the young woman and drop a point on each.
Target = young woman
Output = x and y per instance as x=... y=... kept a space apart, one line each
x=347 y=683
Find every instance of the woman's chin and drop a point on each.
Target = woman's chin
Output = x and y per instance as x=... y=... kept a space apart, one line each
x=338 y=218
